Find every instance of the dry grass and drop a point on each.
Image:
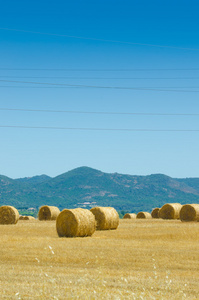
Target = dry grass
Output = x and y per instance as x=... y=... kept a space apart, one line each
x=142 y=259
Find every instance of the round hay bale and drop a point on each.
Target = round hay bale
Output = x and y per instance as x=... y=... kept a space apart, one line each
x=129 y=216
x=170 y=211
x=76 y=222
x=29 y=218
x=8 y=215
x=143 y=215
x=155 y=213
x=48 y=213
x=189 y=212
x=106 y=218
x=21 y=218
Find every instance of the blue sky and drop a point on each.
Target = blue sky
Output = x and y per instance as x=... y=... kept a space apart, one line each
x=135 y=57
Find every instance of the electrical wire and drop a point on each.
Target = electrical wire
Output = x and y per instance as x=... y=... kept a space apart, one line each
x=100 y=129
x=98 y=112
x=164 y=89
x=99 y=70
x=99 y=40
x=36 y=87
x=101 y=78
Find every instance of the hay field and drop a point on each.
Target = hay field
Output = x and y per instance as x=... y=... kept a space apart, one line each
x=142 y=259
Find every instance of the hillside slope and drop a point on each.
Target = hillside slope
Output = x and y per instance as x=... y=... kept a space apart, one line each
x=87 y=187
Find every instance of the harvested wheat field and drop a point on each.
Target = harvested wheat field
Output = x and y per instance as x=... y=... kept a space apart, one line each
x=144 y=259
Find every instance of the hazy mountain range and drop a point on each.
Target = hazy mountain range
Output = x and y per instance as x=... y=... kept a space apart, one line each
x=87 y=187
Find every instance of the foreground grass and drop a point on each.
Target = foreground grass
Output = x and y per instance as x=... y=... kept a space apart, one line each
x=142 y=259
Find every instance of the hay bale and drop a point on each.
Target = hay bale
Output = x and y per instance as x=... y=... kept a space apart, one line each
x=106 y=218
x=8 y=215
x=189 y=212
x=48 y=213
x=76 y=222
x=29 y=218
x=143 y=215
x=21 y=218
x=155 y=213
x=170 y=211
x=129 y=216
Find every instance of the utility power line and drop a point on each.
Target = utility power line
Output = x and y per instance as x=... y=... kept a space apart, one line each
x=105 y=78
x=99 y=70
x=100 y=129
x=160 y=89
x=99 y=40
x=34 y=87
x=98 y=112
x=65 y=87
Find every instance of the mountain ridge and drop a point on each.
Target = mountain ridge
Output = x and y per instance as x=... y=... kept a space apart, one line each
x=88 y=187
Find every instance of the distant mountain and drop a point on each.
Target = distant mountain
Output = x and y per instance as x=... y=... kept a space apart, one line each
x=192 y=182
x=87 y=187
x=35 y=179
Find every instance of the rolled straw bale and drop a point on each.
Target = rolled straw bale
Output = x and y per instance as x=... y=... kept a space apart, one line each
x=21 y=218
x=189 y=212
x=143 y=215
x=129 y=216
x=106 y=218
x=155 y=213
x=29 y=218
x=8 y=215
x=47 y=213
x=170 y=211
x=76 y=222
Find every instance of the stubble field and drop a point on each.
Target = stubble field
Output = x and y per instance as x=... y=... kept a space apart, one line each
x=142 y=259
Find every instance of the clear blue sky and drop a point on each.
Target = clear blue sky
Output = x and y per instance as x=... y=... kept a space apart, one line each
x=140 y=45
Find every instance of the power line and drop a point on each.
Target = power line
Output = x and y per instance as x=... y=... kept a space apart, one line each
x=36 y=87
x=99 y=112
x=164 y=89
x=100 y=129
x=66 y=87
x=99 y=40
x=105 y=78
x=67 y=84
x=99 y=70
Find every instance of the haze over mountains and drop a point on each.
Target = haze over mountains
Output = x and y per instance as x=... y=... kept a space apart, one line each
x=87 y=187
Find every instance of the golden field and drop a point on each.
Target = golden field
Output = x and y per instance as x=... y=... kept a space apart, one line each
x=142 y=259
